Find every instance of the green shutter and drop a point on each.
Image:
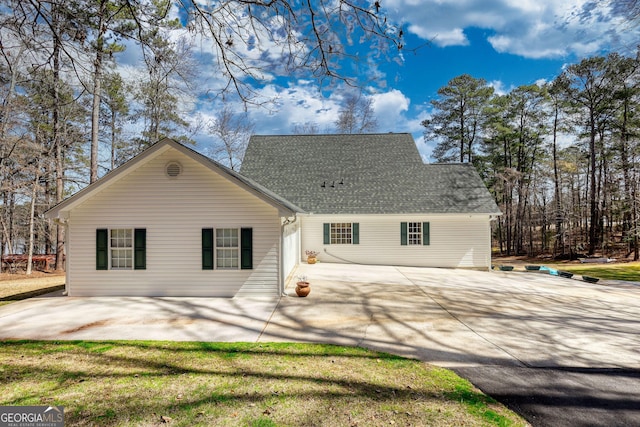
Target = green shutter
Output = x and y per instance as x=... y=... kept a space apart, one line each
x=403 y=234
x=207 y=248
x=246 y=248
x=355 y=230
x=426 y=233
x=327 y=233
x=102 y=249
x=140 y=249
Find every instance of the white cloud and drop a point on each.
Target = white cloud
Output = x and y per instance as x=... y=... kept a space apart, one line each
x=453 y=37
x=498 y=87
x=298 y=104
x=303 y=102
x=530 y=28
x=390 y=108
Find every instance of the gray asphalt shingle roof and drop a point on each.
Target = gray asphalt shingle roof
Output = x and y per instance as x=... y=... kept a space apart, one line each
x=362 y=174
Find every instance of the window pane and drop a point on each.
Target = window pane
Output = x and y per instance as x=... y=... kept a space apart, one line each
x=227 y=237
x=228 y=257
x=121 y=238
x=341 y=233
x=121 y=242
x=415 y=233
x=121 y=258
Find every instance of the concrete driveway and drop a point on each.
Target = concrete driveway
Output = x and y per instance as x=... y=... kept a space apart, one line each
x=558 y=351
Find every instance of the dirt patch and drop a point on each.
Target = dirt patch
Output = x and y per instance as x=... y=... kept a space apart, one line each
x=86 y=326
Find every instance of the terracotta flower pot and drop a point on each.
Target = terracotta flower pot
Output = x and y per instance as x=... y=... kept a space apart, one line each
x=303 y=289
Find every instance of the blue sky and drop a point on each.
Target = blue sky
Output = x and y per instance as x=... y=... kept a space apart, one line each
x=506 y=42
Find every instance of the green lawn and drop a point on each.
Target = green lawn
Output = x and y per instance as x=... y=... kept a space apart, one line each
x=238 y=384
x=623 y=271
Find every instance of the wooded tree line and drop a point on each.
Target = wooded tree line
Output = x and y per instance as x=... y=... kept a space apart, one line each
x=70 y=112
x=562 y=158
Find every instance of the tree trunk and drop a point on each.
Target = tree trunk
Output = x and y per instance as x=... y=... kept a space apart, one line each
x=32 y=211
x=97 y=87
x=559 y=241
x=593 y=209
x=461 y=131
x=57 y=143
x=113 y=139
x=95 y=119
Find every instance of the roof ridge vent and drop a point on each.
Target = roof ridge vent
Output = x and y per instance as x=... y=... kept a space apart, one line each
x=173 y=169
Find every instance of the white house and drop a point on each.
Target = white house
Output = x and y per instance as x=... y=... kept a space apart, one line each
x=369 y=199
x=173 y=222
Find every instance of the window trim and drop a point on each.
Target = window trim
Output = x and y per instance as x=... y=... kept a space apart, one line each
x=341 y=233
x=217 y=248
x=424 y=234
x=329 y=233
x=128 y=249
x=244 y=249
x=137 y=250
x=414 y=233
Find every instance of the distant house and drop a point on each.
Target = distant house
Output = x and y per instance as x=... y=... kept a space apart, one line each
x=171 y=222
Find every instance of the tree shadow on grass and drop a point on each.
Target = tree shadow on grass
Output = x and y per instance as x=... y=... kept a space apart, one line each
x=117 y=383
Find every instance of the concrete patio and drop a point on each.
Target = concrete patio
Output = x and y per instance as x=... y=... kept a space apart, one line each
x=559 y=351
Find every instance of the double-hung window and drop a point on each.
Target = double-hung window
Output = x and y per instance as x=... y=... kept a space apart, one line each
x=415 y=233
x=227 y=248
x=121 y=249
x=341 y=233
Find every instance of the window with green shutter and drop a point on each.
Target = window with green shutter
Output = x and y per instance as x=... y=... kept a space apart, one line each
x=102 y=249
x=246 y=248
x=426 y=233
x=227 y=248
x=121 y=249
x=207 y=248
x=404 y=234
x=140 y=249
x=341 y=233
x=414 y=233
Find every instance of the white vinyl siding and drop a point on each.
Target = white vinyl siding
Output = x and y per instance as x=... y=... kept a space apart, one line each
x=456 y=240
x=174 y=211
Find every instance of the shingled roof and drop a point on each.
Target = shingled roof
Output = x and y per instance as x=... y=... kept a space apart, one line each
x=363 y=174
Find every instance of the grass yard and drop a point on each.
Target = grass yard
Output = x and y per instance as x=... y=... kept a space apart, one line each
x=16 y=287
x=623 y=271
x=238 y=384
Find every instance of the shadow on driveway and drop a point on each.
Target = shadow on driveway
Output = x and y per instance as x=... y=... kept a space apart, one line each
x=560 y=352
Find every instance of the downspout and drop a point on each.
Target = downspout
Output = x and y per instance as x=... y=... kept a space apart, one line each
x=65 y=223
